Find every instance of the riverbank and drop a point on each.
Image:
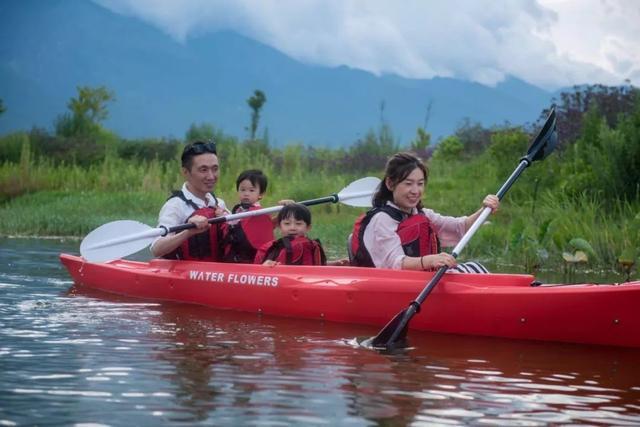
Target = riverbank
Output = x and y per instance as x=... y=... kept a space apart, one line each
x=74 y=214
x=562 y=214
x=518 y=235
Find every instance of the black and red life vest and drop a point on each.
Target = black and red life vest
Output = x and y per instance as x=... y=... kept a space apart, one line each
x=299 y=250
x=415 y=231
x=242 y=240
x=203 y=246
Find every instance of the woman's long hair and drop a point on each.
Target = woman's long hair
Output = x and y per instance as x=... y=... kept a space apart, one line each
x=398 y=168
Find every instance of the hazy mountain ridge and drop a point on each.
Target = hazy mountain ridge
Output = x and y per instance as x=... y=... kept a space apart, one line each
x=162 y=86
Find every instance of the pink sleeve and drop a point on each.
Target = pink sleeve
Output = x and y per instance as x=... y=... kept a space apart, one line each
x=382 y=242
x=449 y=229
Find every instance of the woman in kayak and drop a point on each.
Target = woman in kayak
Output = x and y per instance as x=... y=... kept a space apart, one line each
x=399 y=233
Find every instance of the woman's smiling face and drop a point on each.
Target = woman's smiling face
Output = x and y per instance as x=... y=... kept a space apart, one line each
x=408 y=192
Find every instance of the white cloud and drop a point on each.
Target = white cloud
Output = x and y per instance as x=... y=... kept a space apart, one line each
x=551 y=43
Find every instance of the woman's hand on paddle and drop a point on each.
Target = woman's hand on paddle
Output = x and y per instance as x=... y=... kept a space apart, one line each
x=491 y=201
x=434 y=262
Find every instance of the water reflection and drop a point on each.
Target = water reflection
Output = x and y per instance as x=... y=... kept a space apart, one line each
x=69 y=356
x=239 y=367
x=507 y=382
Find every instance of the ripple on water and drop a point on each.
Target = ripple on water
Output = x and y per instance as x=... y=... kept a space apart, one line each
x=51 y=377
x=8 y=285
x=23 y=333
x=602 y=416
x=190 y=365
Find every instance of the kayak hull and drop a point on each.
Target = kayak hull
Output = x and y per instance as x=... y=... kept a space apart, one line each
x=498 y=305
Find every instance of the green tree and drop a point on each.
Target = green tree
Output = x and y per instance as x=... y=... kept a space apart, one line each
x=256 y=102
x=506 y=146
x=473 y=136
x=201 y=132
x=422 y=141
x=2 y=107
x=448 y=149
x=611 y=102
x=87 y=111
x=605 y=161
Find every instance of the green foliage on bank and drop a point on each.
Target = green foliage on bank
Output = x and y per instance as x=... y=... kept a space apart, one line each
x=588 y=191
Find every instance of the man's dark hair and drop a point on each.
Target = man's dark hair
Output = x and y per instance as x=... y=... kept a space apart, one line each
x=297 y=211
x=255 y=177
x=196 y=148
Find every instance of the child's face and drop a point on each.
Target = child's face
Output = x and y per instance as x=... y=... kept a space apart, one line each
x=293 y=227
x=248 y=193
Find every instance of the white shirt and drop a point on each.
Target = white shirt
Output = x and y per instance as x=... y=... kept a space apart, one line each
x=383 y=243
x=176 y=212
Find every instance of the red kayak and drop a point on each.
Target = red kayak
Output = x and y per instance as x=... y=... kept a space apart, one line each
x=497 y=305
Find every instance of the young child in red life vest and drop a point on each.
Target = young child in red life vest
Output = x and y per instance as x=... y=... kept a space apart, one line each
x=294 y=248
x=243 y=238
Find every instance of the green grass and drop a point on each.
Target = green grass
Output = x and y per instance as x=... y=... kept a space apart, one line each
x=62 y=213
x=531 y=230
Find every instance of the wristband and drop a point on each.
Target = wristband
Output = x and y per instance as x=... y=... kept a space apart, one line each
x=422 y=262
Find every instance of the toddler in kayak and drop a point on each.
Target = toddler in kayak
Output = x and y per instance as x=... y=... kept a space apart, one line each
x=242 y=238
x=294 y=247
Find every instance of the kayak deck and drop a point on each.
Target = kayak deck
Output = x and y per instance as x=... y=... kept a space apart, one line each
x=500 y=305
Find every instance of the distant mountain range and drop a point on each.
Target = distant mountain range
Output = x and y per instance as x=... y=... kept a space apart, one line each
x=162 y=86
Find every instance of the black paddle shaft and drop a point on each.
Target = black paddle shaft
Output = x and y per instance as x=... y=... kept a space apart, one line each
x=503 y=190
x=395 y=331
x=398 y=325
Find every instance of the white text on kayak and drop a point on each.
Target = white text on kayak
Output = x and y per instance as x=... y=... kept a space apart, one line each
x=234 y=278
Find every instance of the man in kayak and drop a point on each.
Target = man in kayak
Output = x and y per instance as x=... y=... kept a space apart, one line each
x=399 y=233
x=194 y=203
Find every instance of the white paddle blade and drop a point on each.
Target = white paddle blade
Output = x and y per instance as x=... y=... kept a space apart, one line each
x=359 y=193
x=100 y=245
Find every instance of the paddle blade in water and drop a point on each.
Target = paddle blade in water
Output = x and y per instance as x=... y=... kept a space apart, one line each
x=117 y=239
x=385 y=338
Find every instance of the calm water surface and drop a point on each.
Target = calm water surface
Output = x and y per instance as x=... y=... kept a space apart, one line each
x=69 y=356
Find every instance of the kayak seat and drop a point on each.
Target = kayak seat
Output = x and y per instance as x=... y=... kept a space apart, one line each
x=473 y=267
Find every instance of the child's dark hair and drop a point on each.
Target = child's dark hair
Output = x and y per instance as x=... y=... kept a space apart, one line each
x=255 y=177
x=297 y=211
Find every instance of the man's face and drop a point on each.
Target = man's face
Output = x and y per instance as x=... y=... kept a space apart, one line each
x=203 y=175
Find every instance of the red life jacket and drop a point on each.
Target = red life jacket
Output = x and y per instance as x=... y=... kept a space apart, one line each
x=299 y=250
x=416 y=235
x=242 y=240
x=203 y=246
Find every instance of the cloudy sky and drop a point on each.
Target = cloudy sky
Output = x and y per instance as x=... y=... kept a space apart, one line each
x=549 y=43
